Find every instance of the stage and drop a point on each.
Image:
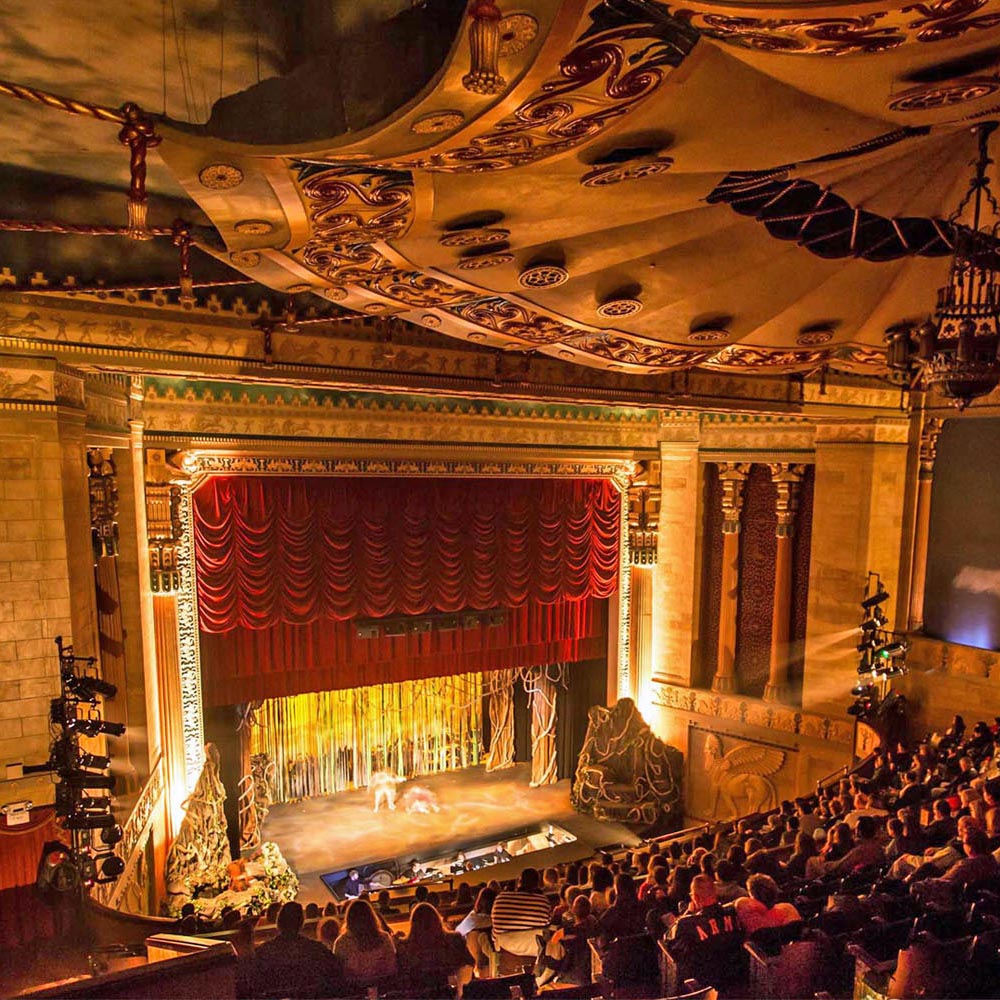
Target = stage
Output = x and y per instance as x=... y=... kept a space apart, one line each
x=340 y=831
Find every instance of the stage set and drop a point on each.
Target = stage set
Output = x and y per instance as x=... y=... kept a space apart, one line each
x=405 y=677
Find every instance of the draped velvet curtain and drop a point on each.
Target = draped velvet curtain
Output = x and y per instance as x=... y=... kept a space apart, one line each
x=284 y=565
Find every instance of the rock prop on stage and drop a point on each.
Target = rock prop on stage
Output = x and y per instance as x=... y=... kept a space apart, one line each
x=200 y=868
x=625 y=773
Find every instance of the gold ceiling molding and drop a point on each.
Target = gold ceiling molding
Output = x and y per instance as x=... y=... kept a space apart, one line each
x=620 y=349
x=861 y=33
x=609 y=72
x=961 y=91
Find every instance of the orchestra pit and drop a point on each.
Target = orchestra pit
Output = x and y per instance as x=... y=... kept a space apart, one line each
x=499 y=500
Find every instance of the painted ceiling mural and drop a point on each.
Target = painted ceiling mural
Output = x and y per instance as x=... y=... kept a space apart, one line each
x=631 y=185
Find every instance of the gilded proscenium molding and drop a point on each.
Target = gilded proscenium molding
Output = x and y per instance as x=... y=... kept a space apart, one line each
x=787 y=479
x=752 y=712
x=870 y=28
x=928 y=446
x=164 y=528
x=732 y=476
x=135 y=831
x=102 y=483
x=644 y=511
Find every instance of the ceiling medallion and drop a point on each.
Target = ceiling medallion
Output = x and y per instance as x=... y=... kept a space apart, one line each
x=220 y=176
x=814 y=338
x=374 y=307
x=517 y=32
x=254 y=227
x=429 y=319
x=708 y=336
x=245 y=258
x=480 y=237
x=477 y=336
x=568 y=355
x=616 y=308
x=437 y=121
x=475 y=262
x=970 y=88
x=334 y=294
x=298 y=289
x=615 y=173
x=543 y=276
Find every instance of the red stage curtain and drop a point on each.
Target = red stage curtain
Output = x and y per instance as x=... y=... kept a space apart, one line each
x=296 y=551
x=251 y=664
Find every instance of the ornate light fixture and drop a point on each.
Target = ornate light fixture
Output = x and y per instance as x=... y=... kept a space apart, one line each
x=957 y=349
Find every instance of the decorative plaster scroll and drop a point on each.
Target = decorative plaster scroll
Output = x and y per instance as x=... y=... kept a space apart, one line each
x=500 y=315
x=627 y=350
x=849 y=35
x=751 y=712
x=621 y=60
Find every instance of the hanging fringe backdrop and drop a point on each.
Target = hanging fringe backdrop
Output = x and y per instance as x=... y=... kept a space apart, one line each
x=329 y=741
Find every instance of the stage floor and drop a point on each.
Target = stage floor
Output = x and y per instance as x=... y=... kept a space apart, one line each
x=338 y=831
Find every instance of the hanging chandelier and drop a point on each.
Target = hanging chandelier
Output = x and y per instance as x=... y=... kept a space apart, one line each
x=956 y=350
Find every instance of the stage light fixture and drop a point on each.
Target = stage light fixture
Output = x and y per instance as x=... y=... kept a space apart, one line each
x=876 y=599
x=891 y=650
x=112 y=835
x=111 y=867
x=85 y=779
x=880 y=619
x=869 y=625
x=88 y=821
x=62 y=712
x=87 y=688
x=95 y=727
x=860 y=689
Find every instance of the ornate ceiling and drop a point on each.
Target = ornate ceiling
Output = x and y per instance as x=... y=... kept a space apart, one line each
x=634 y=186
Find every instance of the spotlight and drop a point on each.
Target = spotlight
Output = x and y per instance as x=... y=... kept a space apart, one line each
x=62 y=712
x=869 y=625
x=880 y=619
x=111 y=867
x=870 y=602
x=88 y=688
x=860 y=689
x=84 y=779
x=95 y=761
x=93 y=727
x=887 y=652
x=111 y=835
x=88 y=821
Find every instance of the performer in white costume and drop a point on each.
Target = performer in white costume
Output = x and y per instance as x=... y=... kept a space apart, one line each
x=383 y=786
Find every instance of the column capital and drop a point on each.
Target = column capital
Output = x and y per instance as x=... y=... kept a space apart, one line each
x=643 y=522
x=732 y=476
x=929 y=435
x=787 y=478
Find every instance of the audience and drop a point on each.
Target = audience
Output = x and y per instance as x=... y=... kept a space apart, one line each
x=429 y=956
x=368 y=952
x=521 y=915
x=761 y=907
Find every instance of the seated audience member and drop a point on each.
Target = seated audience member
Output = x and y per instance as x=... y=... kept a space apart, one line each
x=521 y=915
x=384 y=904
x=894 y=830
x=795 y=867
x=808 y=820
x=867 y=852
x=760 y=861
x=761 y=907
x=290 y=965
x=707 y=942
x=991 y=794
x=429 y=955
x=863 y=806
x=838 y=844
x=978 y=866
x=648 y=886
x=728 y=888
x=328 y=931
x=934 y=860
x=368 y=952
x=478 y=918
x=943 y=827
x=567 y=953
x=463 y=896
x=626 y=916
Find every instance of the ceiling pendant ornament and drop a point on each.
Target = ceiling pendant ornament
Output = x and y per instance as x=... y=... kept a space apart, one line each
x=958 y=350
x=617 y=308
x=220 y=177
x=438 y=121
x=484 y=50
x=517 y=32
x=946 y=95
x=708 y=336
x=478 y=237
x=543 y=276
x=245 y=258
x=614 y=67
x=814 y=338
x=615 y=173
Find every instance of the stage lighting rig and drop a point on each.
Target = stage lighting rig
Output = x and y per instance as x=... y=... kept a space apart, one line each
x=81 y=772
x=882 y=653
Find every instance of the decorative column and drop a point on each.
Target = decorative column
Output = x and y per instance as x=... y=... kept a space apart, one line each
x=922 y=521
x=644 y=505
x=787 y=479
x=732 y=475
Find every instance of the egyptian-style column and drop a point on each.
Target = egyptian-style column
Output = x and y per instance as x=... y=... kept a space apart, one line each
x=922 y=521
x=644 y=504
x=732 y=476
x=786 y=479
